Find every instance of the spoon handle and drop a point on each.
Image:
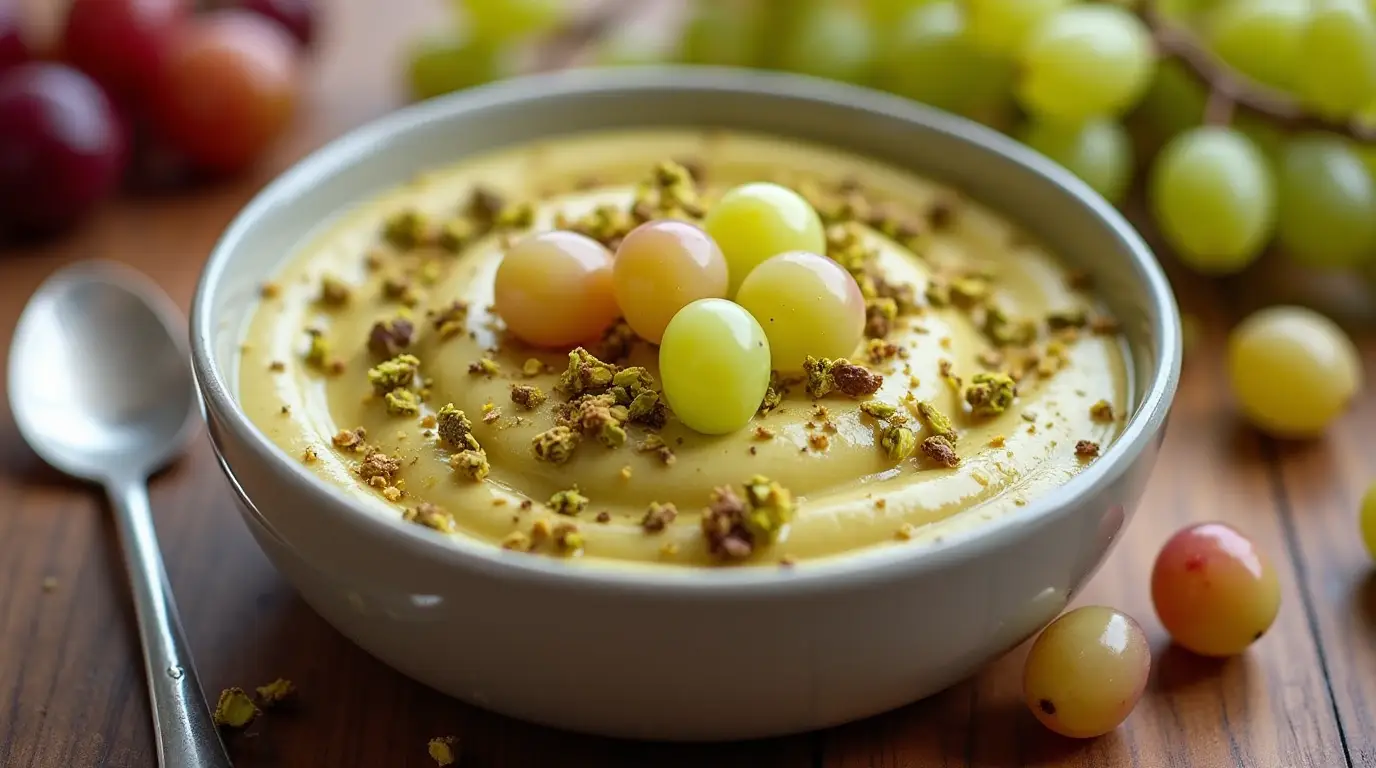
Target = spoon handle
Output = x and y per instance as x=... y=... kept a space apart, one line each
x=185 y=732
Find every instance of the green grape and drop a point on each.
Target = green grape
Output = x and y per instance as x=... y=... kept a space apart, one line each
x=498 y=21
x=1173 y=104
x=1099 y=152
x=1086 y=61
x=440 y=65
x=931 y=59
x=1214 y=199
x=714 y=365
x=1327 y=202
x=755 y=221
x=887 y=13
x=1185 y=11
x=1337 y=53
x=722 y=33
x=808 y=305
x=1003 y=26
x=1261 y=38
x=1368 y=520
x=1086 y=672
x=1292 y=371
x=1213 y=590
x=829 y=39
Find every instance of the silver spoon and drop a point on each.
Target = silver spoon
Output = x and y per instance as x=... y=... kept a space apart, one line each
x=101 y=388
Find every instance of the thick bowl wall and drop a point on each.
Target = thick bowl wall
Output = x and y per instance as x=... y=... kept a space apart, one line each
x=668 y=653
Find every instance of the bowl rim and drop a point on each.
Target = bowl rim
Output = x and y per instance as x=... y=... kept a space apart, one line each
x=845 y=569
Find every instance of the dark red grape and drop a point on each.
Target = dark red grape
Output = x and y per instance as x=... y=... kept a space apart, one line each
x=121 y=43
x=13 y=50
x=298 y=16
x=62 y=147
x=228 y=90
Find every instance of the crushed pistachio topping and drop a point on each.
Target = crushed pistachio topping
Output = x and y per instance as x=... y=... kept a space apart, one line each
x=941 y=451
x=938 y=422
x=1067 y=318
x=398 y=288
x=771 y=506
x=569 y=502
x=1101 y=411
x=773 y=395
x=878 y=410
x=585 y=374
x=484 y=203
x=554 y=445
x=334 y=292
x=825 y=376
x=276 y=692
x=1006 y=331
x=1086 y=449
x=318 y=353
x=484 y=366
x=456 y=233
x=392 y=374
x=880 y=314
x=449 y=321
x=390 y=337
x=234 y=709
x=309 y=456
x=879 y=351
x=515 y=216
x=655 y=444
x=406 y=229
x=1103 y=325
x=607 y=224
x=528 y=396
x=532 y=367
x=517 y=541
x=670 y=193
x=596 y=416
x=431 y=516
x=443 y=750
x=454 y=427
x=898 y=442
x=402 y=402
x=378 y=468
x=471 y=463
x=990 y=394
x=567 y=537
x=616 y=343
x=658 y=517
x=734 y=528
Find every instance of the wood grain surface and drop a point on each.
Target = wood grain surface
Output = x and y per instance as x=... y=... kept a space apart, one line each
x=71 y=680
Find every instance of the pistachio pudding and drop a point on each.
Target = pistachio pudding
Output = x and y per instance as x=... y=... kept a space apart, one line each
x=685 y=348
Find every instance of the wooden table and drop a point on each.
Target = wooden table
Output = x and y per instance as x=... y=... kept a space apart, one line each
x=71 y=680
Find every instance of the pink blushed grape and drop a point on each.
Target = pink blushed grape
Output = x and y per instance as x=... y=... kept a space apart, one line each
x=554 y=289
x=1086 y=672
x=1214 y=591
x=807 y=305
x=662 y=267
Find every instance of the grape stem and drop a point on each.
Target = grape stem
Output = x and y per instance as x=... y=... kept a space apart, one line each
x=1230 y=92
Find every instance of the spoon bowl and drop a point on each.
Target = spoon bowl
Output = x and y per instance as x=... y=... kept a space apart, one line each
x=99 y=380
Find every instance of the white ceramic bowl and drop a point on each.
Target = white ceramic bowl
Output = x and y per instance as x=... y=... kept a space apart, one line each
x=674 y=654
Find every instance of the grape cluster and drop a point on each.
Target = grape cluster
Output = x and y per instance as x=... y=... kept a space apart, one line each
x=131 y=82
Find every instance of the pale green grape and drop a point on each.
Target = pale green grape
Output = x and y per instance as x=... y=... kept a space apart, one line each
x=1003 y=26
x=1214 y=199
x=1327 y=214
x=886 y=13
x=808 y=305
x=714 y=364
x=1292 y=370
x=931 y=59
x=1099 y=152
x=755 y=221
x=1086 y=61
x=722 y=33
x=497 y=21
x=829 y=39
x=1261 y=38
x=439 y=65
x=1173 y=104
x=1337 y=76
x=1086 y=672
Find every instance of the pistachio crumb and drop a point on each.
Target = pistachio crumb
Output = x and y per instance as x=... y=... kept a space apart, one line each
x=555 y=445
x=1086 y=449
x=334 y=292
x=471 y=463
x=528 y=396
x=569 y=502
x=517 y=541
x=898 y=442
x=431 y=516
x=392 y=374
x=454 y=427
x=656 y=445
x=764 y=433
x=1101 y=411
x=990 y=394
x=878 y=410
x=349 y=438
x=276 y=692
x=402 y=402
x=234 y=709
x=443 y=750
x=625 y=472
x=309 y=456
x=585 y=374
x=485 y=366
x=819 y=441
x=532 y=367
x=456 y=233
x=567 y=537
x=824 y=376
x=998 y=441
x=905 y=532
x=658 y=517
x=941 y=451
x=936 y=421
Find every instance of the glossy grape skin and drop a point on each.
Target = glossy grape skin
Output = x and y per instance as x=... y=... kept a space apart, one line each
x=1327 y=213
x=714 y=365
x=831 y=40
x=722 y=33
x=121 y=44
x=1214 y=592
x=555 y=289
x=755 y=221
x=1086 y=61
x=62 y=147
x=1261 y=38
x=1293 y=371
x=444 y=64
x=1338 y=56
x=1003 y=26
x=1213 y=196
x=249 y=64
x=808 y=305
x=1086 y=672
x=14 y=50
x=296 y=16
x=930 y=58
x=1368 y=520
x=1099 y=152
x=662 y=267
